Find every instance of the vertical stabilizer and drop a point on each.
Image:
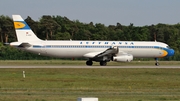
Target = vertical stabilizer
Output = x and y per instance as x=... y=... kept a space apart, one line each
x=23 y=31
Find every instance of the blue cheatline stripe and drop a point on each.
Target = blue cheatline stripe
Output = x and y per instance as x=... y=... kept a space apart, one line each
x=157 y=47
x=34 y=46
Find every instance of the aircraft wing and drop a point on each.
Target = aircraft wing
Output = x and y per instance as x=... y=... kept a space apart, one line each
x=107 y=52
x=92 y=54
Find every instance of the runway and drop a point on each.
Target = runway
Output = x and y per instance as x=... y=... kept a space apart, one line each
x=175 y=66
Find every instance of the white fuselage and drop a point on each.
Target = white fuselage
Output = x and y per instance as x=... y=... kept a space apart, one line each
x=71 y=49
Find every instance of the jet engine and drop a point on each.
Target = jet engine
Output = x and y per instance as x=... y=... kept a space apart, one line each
x=123 y=58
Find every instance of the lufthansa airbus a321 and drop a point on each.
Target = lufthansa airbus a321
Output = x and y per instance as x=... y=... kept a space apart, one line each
x=99 y=51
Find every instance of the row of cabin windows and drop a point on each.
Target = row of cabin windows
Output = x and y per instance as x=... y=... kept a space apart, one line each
x=99 y=46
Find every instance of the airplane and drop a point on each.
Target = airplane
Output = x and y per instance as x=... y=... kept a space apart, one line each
x=98 y=51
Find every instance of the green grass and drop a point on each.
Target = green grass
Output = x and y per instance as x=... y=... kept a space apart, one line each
x=67 y=84
x=80 y=62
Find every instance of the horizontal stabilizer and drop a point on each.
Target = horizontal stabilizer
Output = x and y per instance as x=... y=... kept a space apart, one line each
x=24 y=45
x=6 y=43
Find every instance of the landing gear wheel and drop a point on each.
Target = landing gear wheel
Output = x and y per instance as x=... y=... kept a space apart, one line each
x=157 y=63
x=89 y=63
x=103 y=63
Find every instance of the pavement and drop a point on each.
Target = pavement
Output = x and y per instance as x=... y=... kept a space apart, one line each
x=48 y=66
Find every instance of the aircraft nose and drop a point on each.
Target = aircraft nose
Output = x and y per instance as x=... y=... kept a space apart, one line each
x=171 y=52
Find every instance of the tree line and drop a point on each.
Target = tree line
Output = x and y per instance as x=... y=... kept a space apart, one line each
x=61 y=28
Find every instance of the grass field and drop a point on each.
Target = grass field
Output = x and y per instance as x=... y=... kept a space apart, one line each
x=67 y=84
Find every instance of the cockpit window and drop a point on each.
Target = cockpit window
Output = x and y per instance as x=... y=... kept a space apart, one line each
x=168 y=47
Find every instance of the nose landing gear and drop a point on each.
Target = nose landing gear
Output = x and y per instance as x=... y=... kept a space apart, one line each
x=157 y=63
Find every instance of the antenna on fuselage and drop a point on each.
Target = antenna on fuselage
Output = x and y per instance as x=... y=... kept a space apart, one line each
x=155 y=37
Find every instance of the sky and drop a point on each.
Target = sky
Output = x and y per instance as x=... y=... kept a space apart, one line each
x=107 y=12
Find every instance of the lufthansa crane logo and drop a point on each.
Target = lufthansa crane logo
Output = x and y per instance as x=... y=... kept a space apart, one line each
x=19 y=25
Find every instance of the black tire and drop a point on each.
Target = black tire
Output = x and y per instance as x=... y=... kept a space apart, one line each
x=89 y=63
x=157 y=64
x=103 y=63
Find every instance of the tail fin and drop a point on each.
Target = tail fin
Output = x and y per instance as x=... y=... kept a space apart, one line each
x=23 y=31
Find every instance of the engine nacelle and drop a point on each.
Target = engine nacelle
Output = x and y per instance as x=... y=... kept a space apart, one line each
x=123 y=58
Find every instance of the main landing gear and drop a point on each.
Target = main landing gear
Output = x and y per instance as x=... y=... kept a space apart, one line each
x=157 y=63
x=90 y=63
x=103 y=63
